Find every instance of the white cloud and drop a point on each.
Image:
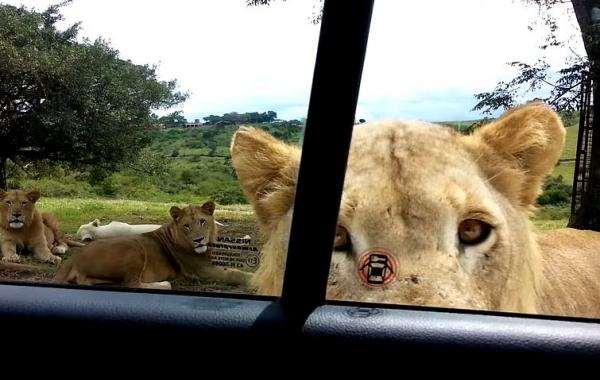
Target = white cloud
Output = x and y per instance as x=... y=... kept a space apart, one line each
x=425 y=58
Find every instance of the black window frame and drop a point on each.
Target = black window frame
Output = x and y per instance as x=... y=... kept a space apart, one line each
x=302 y=312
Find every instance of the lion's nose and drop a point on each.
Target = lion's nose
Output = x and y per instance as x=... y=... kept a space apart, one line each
x=16 y=214
x=199 y=240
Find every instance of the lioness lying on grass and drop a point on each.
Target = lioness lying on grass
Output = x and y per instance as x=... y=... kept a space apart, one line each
x=23 y=227
x=152 y=259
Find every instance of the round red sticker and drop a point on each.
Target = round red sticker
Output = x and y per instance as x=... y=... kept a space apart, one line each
x=377 y=267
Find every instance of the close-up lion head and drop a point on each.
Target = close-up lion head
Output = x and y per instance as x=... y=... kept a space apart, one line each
x=17 y=208
x=195 y=225
x=428 y=216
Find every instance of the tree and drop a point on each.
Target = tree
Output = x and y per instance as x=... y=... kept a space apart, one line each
x=68 y=101
x=562 y=87
x=237 y=118
x=173 y=120
x=150 y=163
x=271 y=116
x=564 y=91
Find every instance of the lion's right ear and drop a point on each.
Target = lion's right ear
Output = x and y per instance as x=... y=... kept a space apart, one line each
x=34 y=196
x=267 y=169
x=96 y=223
x=176 y=213
x=208 y=207
x=518 y=150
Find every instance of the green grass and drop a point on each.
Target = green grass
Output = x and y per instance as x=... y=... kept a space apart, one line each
x=570 y=143
x=551 y=217
x=73 y=212
x=566 y=170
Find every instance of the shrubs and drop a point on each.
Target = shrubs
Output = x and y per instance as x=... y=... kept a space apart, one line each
x=555 y=192
x=229 y=196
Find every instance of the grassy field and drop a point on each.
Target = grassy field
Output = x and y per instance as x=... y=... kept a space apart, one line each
x=570 y=143
x=73 y=212
x=551 y=217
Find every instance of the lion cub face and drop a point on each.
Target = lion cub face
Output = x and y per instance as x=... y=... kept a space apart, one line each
x=17 y=208
x=427 y=216
x=196 y=224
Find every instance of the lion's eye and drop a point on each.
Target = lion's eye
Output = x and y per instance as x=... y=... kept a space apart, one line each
x=8 y=203
x=202 y=221
x=342 y=241
x=187 y=227
x=473 y=231
x=24 y=203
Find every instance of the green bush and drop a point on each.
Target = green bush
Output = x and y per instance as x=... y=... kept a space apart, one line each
x=106 y=188
x=187 y=177
x=555 y=192
x=61 y=188
x=229 y=196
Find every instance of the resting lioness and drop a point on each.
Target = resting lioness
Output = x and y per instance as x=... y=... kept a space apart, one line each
x=432 y=217
x=23 y=227
x=94 y=230
x=152 y=259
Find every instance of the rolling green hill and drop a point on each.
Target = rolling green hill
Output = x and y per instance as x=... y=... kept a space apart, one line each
x=181 y=165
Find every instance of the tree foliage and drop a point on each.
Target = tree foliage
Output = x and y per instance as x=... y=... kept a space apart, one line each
x=70 y=100
x=562 y=87
x=237 y=118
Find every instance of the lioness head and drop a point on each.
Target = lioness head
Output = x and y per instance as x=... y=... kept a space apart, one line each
x=196 y=224
x=86 y=231
x=427 y=216
x=17 y=208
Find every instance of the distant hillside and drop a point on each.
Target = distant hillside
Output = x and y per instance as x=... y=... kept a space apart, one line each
x=185 y=165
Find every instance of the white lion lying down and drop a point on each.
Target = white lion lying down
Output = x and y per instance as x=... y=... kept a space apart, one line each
x=94 y=230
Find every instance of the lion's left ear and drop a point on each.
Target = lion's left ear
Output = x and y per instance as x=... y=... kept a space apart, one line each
x=3 y=193
x=518 y=150
x=33 y=196
x=176 y=213
x=208 y=207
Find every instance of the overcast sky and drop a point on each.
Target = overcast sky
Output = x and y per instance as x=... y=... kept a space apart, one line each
x=425 y=58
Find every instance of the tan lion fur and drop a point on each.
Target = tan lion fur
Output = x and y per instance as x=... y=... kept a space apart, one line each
x=408 y=187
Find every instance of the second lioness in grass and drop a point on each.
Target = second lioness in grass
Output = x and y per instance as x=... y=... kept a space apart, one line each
x=152 y=259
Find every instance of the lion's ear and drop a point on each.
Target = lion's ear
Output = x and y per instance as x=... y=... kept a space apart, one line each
x=33 y=196
x=176 y=213
x=3 y=193
x=267 y=169
x=208 y=207
x=96 y=223
x=519 y=149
